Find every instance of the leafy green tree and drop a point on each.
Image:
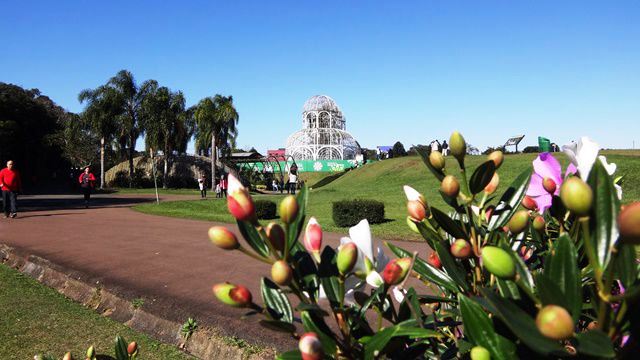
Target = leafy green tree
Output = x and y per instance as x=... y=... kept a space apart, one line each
x=79 y=141
x=398 y=149
x=216 y=119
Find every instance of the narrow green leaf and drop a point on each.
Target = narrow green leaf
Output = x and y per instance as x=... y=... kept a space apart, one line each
x=424 y=154
x=312 y=323
x=604 y=212
x=508 y=289
x=276 y=301
x=626 y=266
x=479 y=329
x=594 y=343
x=121 y=348
x=425 y=270
x=563 y=270
x=510 y=200
x=253 y=238
x=448 y=224
x=295 y=228
x=328 y=275
x=407 y=328
x=481 y=177
x=549 y=291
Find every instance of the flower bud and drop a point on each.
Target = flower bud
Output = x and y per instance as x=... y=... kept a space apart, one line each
x=434 y=260
x=450 y=186
x=67 y=356
x=592 y=325
x=233 y=295
x=519 y=222
x=347 y=256
x=576 y=196
x=239 y=201
x=526 y=253
x=275 y=233
x=416 y=210
x=497 y=157
x=281 y=273
x=539 y=224
x=395 y=271
x=91 y=352
x=413 y=195
x=458 y=146
x=629 y=223
x=498 y=262
x=529 y=203
x=555 y=322
x=288 y=209
x=132 y=348
x=488 y=212
x=312 y=240
x=437 y=160
x=461 y=249
x=493 y=184
x=480 y=353
x=412 y=225
x=223 y=238
x=310 y=347
x=549 y=185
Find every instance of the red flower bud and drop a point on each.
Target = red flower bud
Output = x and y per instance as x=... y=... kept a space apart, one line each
x=461 y=249
x=493 y=184
x=529 y=203
x=395 y=271
x=437 y=160
x=223 y=238
x=519 y=222
x=132 y=348
x=539 y=224
x=313 y=236
x=288 y=209
x=576 y=196
x=275 y=233
x=434 y=260
x=416 y=210
x=310 y=347
x=281 y=273
x=497 y=157
x=241 y=206
x=549 y=185
x=233 y=295
x=555 y=322
x=347 y=256
x=629 y=223
x=450 y=186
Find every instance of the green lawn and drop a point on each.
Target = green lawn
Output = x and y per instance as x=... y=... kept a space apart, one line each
x=383 y=181
x=36 y=319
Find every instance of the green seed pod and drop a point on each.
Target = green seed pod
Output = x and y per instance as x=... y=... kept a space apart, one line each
x=450 y=186
x=437 y=160
x=555 y=322
x=458 y=146
x=539 y=224
x=347 y=256
x=576 y=196
x=629 y=223
x=233 y=295
x=461 y=249
x=281 y=273
x=498 y=262
x=480 y=353
x=518 y=222
x=223 y=238
x=288 y=209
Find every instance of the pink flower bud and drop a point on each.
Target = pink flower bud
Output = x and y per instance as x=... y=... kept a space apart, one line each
x=493 y=184
x=239 y=201
x=281 y=273
x=549 y=185
x=312 y=240
x=461 y=249
x=223 y=238
x=396 y=270
x=132 y=348
x=233 y=295
x=416 y=210
x=528 y=203
x=310 y=347
x=288 y=209
x=434 y=260
x=275 y=233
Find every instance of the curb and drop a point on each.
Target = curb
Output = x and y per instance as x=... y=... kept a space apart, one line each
x=205 y=343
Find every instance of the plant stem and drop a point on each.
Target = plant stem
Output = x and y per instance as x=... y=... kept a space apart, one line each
x=255 y=256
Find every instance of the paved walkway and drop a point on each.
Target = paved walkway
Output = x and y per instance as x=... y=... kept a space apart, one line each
x=168 y=262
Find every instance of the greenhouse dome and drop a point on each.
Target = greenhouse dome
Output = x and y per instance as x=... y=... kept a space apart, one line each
x=323 y=135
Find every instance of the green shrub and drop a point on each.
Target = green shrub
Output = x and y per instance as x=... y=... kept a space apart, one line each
x=350 y=212
x=265 y=209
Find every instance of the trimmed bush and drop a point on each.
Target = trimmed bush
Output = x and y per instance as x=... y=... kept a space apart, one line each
x=350 y=212
x=265 y=209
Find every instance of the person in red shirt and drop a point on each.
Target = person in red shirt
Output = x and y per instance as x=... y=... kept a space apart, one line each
x=87 y=182
x=10 y=184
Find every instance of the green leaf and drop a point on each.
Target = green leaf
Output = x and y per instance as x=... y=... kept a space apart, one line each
x=424 y=154
x=510 y=200
x=276 y=301
x=594 y=343
x=295 y=228
x=448 y=224
x=425 y=270
x=312 y=323
x=626 y=266
x=479 y=329
x=563 y=270
x=508 y=289
x=604 y=213
x=550 y=292
x=519 y=322
x=290 y=355
x=481 y=177
x=451 y=266
x=253 y=238
x=407 y=328
x=312 y=308
x=121 y=348
x=328 y=276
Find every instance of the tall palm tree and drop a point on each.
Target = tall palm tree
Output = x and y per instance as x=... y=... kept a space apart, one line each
x=216 y=121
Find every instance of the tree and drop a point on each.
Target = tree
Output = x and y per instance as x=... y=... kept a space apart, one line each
x=398 y=149
x=215 y=126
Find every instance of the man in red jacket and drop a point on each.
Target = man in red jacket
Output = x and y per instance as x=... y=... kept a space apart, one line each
x=87 y=181
x=10 y=184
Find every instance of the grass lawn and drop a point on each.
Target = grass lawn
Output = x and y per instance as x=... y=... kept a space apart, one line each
x=36 y=319
x=383 y=181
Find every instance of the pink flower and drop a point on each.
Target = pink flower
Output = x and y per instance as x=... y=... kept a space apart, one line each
x=545 y=166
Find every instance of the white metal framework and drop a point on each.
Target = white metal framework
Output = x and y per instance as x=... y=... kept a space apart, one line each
x=323 y=135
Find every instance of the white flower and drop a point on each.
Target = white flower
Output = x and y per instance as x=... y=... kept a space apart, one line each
x=374 y=279
x=234 y=185
x=412 y=194
x=398 y=293
x=582 y=155
x=361 y=236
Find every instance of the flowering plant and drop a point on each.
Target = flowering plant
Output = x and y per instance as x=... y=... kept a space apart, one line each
x=546 y=275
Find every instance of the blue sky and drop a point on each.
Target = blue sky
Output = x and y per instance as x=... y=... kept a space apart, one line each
x=408 y=71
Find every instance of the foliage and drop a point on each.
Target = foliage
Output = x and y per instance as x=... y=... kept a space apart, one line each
x=575 y=268
x=188 y=328
x=265 y=209
x=398 y=150
x=350 y=212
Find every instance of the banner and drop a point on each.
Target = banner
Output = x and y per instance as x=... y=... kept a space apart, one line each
x=303 y=166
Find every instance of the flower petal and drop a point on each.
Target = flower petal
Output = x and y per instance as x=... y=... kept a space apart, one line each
x=611 y=168
x=234 y=185
x=544 y=202
x=586 y=156
x=374 y=280
x=411 y=193
x=361 y=235
x=399 y=293
x=547 y=166
x=535 y=186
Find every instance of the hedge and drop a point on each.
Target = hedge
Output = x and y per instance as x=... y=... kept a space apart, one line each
x=265 y=209
x=350 y=212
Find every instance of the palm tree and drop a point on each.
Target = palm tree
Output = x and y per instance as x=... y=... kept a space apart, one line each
x=215 y=126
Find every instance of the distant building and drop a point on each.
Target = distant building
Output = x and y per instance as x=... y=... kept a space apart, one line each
x=250 y=155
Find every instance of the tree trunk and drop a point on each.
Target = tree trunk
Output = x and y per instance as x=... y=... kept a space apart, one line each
x=101 y=163
x=213 y=163
x=132 y=148
x=165 y=173
x=153 y=171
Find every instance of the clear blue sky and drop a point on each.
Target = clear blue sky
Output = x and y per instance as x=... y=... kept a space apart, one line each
x=408 y=71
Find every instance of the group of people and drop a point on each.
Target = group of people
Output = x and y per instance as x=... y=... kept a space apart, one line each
x=220 y=189
x=443 y=148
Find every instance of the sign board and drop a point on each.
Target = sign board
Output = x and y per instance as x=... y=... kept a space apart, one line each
x=514 y=141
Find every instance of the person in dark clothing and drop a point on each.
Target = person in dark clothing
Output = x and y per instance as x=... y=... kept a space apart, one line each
x=87 y=182
x=445 y=148
x=11 y=184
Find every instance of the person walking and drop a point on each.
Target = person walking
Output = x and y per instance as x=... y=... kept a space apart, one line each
x=218 y=189
x=202 y=184
x=11 y=184
x=223 y=185
x=445 y=148
x=293 y=179
x=87 y=181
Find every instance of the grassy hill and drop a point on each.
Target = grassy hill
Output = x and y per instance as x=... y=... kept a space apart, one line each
x=383 y=181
